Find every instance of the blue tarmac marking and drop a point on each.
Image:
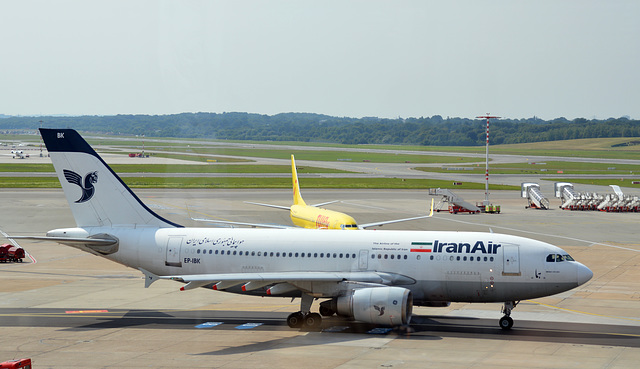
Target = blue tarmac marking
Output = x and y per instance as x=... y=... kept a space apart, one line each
x=208 y=325
x=380 y=331
x=248 y=325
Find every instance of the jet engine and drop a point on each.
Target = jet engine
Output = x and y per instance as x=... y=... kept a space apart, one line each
x=389 y=306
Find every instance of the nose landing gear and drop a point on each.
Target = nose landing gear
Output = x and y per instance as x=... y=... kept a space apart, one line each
x=506 y=322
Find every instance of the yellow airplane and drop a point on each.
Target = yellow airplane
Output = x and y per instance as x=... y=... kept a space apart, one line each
x=313 y=216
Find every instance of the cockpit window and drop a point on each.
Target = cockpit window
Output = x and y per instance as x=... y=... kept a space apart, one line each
x=557 y=258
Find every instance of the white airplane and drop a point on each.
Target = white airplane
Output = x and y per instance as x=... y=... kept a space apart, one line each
x=19 y=154
x=370 y=276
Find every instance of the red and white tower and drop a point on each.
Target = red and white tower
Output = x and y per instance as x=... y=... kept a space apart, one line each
x=486 y=168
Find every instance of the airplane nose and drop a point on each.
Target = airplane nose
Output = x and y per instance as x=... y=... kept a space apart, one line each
x=584 y=274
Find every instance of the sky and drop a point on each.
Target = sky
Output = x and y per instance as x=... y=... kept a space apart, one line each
x=401 y=58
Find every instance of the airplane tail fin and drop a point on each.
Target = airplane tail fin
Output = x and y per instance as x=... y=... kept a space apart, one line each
x=96 y=195
x=297 y=197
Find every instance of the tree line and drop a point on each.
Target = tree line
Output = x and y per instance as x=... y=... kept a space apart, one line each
x=306 y=127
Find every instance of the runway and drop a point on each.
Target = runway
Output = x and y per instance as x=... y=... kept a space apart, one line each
x=75 y=310
x=422 y=327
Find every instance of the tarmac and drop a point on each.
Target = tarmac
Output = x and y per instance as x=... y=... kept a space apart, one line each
x=69 y=309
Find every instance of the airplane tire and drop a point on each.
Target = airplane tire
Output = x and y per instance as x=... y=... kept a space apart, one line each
x=506 y=323
x=295 y=320
x=313 y=321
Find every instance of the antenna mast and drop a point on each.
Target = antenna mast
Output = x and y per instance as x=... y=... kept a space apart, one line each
x=486 y=173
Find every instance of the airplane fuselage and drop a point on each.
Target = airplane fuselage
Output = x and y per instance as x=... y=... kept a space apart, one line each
x=312 y=217
x=435 y=266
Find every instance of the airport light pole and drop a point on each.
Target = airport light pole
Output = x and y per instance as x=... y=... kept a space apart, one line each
x=486 y=168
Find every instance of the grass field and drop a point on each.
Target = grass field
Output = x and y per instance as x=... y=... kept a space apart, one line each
x=335 y=155
x=192 y=182
x=589 y=147
x=176 y=168
x=622 y=182
x=547 y=167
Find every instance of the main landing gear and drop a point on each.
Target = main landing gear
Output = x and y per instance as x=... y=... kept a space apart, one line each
x=506 y=322
x=304 y=318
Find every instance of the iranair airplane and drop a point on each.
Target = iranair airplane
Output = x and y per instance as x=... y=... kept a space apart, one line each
x=313 y=216
x=370 y=276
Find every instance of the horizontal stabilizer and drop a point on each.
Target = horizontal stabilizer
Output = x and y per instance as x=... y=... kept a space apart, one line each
x=69 y=240
x=259 y=225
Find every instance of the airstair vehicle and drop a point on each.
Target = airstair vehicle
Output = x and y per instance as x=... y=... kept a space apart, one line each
x=613 y=202
x=531 y=191
x=456 y=203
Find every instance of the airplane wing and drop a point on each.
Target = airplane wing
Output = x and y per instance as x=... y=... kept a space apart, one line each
x=287 y=207
x=199 y=280
x=269 y=205
x=258 y=225
x=369 y=225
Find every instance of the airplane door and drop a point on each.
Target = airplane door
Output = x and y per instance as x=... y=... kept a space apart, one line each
x=511 y=254
x=363 y=261
x=173 y=252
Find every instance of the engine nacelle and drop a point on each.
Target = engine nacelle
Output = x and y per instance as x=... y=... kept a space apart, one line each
x=390 y=306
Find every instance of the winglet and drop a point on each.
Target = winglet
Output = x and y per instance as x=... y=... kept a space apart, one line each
x=297 y=197
x=431 y=212
x=148 y=277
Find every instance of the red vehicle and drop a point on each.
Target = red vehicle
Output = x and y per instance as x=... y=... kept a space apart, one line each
x=16 y=364
x=10 y=253
x=16 y=253
x=4 y=252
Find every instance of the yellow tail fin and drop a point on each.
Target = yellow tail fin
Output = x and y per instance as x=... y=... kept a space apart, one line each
x=297 y=198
